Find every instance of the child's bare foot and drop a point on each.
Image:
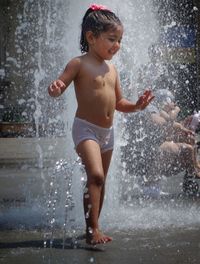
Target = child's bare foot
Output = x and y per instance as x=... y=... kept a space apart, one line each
x=94 y=236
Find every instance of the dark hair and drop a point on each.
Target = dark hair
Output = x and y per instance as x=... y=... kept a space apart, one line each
x=97 y=21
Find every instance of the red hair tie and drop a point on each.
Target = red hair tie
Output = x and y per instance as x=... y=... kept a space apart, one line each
x=95 y=7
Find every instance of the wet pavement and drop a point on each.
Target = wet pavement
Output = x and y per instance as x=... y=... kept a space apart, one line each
x=147 y=232
x=170 y=246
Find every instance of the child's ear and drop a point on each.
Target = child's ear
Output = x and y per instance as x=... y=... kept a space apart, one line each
x=90 y=37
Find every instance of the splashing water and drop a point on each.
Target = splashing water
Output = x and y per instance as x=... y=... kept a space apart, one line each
x=53 y=38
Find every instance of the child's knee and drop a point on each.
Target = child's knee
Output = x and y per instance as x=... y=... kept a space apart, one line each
x=169 y=147
x=97 y=178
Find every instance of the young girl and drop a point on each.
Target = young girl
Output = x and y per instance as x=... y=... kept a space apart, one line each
x=98 y=94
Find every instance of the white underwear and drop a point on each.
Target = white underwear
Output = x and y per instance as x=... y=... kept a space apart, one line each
x=84 y=130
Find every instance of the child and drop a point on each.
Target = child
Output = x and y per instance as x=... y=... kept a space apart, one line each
x=98 y=94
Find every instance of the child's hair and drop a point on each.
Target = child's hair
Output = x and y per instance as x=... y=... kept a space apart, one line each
x=97 y=21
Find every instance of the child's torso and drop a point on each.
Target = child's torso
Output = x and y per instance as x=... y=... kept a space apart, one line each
x=95 y=92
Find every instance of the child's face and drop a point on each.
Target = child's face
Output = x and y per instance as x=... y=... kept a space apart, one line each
x=107 y=44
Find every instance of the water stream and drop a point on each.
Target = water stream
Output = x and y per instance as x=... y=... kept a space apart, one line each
x=47 y=36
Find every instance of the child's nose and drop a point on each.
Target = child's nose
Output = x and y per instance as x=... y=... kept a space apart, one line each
x=117 y=45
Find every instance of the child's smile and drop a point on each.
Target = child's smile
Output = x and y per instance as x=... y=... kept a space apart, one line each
x=108 y=43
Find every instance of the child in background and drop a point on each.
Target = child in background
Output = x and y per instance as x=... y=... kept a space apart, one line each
x=98 y=94
x=192 y=122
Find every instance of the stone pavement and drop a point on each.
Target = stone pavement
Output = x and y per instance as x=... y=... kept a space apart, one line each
x=173 y=246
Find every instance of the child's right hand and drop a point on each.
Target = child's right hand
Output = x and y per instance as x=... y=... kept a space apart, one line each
x=144 y=100
x=56 y=88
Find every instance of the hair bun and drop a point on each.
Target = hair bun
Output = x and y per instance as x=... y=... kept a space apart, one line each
x=96 y=7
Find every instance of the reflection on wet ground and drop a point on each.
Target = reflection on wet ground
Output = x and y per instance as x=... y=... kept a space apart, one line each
x=170 y=246
x=146 y=231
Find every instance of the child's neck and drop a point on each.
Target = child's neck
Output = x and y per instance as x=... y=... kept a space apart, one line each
x=93 y=56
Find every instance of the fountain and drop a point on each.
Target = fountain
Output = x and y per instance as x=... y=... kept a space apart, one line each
x=52 y=178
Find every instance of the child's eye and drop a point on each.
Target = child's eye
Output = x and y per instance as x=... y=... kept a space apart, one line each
x=112 y=39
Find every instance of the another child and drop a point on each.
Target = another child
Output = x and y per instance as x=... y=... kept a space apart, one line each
x=98 y=94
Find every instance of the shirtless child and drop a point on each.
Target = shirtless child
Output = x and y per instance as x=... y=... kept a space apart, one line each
x=98 y=95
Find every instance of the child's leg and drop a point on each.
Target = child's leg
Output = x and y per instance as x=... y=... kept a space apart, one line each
x=181 y=154
x=106 y=158
x=189 y=158
x=89 y=151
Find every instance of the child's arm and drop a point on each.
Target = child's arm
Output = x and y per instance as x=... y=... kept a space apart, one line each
x=124 y=105
x=57 y=87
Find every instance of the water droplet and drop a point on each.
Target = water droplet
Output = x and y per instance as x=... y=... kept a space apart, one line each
x=85 y=190
x=52 y=221
x=91 y=259
x=87 y=215
x=86 y=196
x=90 y=230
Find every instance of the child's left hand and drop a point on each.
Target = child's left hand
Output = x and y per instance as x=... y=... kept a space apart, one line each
x=144 y=100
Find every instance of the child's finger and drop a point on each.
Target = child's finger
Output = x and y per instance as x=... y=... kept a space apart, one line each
x=59 y=84
x=147 y=94
x=51 y=88
x=55 y=84
x=151 y=98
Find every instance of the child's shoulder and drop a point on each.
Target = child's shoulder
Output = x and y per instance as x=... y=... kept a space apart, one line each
x=77 y=60
x=74 y=63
